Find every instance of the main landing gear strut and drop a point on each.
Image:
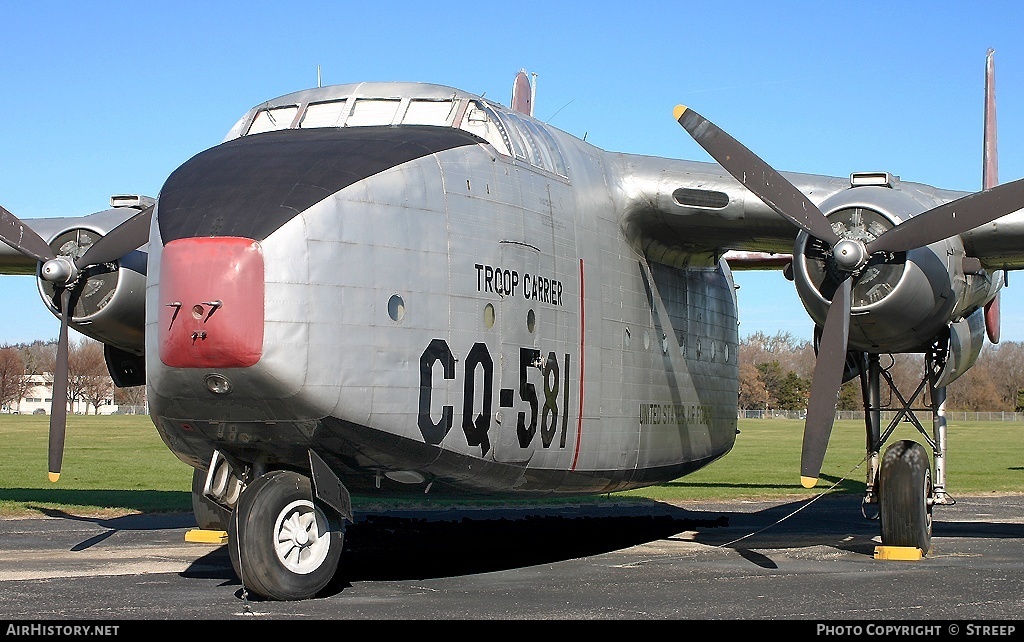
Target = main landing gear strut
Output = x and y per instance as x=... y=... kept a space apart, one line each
x=901 y=482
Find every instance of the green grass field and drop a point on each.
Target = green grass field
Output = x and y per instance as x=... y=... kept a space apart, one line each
x=118 y=465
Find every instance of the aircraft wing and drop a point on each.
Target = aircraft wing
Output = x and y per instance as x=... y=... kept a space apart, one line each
x=13 y=261
x=693 y=213
x=999 y=245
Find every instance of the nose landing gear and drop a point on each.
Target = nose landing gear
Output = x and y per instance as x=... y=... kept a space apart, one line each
x=283 y=544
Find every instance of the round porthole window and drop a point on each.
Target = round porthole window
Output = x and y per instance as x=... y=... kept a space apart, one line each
x=396 y=308
x=489 y=316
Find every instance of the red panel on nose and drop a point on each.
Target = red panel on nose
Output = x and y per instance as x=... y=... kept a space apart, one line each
x=211 y=303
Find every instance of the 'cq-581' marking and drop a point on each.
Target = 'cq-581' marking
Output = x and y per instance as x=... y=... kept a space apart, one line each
x=476 y=428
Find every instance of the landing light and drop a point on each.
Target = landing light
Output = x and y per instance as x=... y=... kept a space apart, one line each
x=405 y=476
x=218 y=384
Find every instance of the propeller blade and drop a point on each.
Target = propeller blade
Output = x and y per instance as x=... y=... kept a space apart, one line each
x=827 y=378
x=756 y=175
x=23 y=238
x=950 y=219
x=129 y=235
x=59 y=405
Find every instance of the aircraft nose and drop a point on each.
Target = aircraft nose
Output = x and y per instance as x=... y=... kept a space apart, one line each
x=211 y=296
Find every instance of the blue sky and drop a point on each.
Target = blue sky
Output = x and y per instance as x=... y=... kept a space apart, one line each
x=101 y=98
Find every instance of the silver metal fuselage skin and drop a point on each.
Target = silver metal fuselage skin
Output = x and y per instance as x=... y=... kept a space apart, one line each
x=467 y=321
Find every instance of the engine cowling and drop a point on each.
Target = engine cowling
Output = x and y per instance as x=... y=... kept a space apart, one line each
x=111 y=307
x=900 y=302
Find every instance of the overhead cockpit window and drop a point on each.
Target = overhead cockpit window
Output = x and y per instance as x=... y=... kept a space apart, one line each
x=480 y=121
x=538 y=147
x=267 y=120
x=547 y=143
x=430 y=112
x=373 y=111
x=329 y=114
x=514 y=137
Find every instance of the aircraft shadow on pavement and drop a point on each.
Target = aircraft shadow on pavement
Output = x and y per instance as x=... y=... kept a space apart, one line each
x=449 y=542
x=390 y=547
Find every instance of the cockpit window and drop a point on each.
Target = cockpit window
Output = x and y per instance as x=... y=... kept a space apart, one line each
x=373 y=111
x=267 y=120
x=510 y=134
x=329 y=114
x=430 y=112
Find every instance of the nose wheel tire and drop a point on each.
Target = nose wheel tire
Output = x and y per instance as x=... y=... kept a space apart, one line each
x=905 y=488
x=283 y=545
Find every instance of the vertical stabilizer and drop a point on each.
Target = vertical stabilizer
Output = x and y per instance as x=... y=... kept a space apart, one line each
x=990 y=175
x=990 y=168
x=522 y=94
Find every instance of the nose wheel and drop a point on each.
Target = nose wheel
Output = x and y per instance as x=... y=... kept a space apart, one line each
x=284 y=545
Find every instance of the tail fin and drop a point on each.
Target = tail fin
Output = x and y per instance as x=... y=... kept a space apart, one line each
x=990 y=175
x=990 y=167
x=523 y=93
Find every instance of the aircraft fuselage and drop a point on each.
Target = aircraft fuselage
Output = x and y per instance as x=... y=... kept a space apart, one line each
x=424 y=312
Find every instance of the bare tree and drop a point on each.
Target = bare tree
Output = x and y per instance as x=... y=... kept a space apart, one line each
x=773 y=370
x=39 y=356
x=1003 y=365
x=13 y=383
x=88 y=379
x=130 y=396
x=753 y=393
x=792 y=353
x=995 y=383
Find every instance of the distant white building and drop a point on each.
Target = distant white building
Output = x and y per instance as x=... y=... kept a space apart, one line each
x=39 y=398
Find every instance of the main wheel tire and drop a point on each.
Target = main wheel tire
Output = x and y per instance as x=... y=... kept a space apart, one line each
x=284 y=545
x=905 y=489
x=210 y=515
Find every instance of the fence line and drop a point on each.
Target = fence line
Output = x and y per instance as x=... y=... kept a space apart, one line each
x=887 y=415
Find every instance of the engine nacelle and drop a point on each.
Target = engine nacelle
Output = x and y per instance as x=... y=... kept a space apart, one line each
x=966 y=337
x=900 y=302
x=112 y=304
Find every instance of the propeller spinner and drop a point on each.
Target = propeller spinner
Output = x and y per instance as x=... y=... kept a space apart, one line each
x=850 y=256
x=65 y=274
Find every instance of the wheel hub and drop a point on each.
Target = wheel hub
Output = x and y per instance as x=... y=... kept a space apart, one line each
x=301 y=536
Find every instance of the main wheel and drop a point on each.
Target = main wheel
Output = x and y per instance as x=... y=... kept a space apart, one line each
x=905 y=489
x=210 y=515
x=283 y=545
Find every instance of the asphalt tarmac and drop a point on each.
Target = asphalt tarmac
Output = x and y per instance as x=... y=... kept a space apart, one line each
x=642 y=560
